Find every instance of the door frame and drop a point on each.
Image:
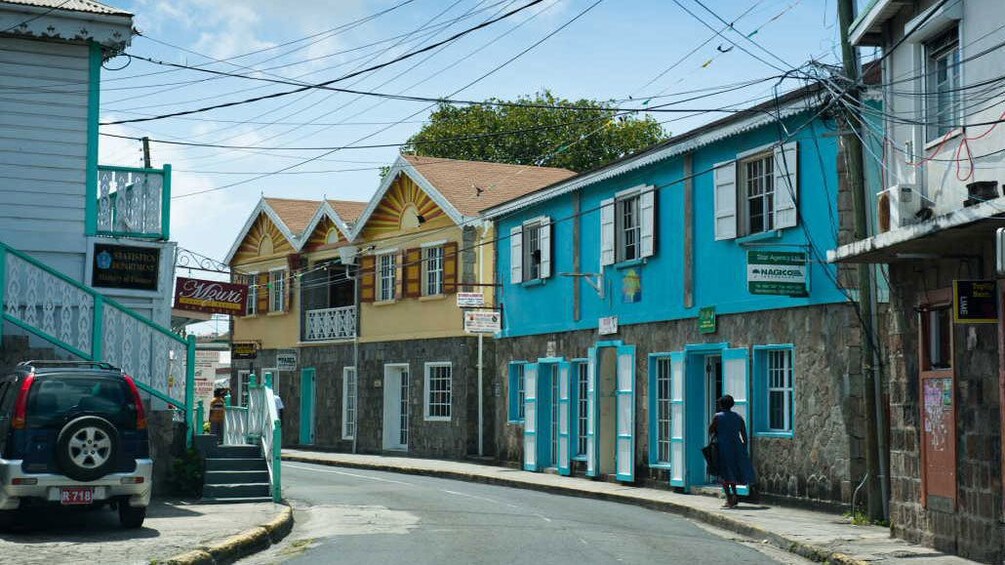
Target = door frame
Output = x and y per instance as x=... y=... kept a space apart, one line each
x=694 y=466
x=395 y=406
x=937 y=299
x=594 y=428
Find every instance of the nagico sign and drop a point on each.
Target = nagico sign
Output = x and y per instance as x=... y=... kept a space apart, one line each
x=777 y=272
x=210 y=296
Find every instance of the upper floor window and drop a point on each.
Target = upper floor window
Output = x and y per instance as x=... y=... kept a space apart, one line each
x=277 y=290
x=758 y=192
x=942 y=72
x=628 y=226
x=432 y=262
x=387 y=276
x=252 y=307
x=530 y=250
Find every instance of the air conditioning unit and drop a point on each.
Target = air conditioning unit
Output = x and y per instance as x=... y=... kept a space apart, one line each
x=900 y=205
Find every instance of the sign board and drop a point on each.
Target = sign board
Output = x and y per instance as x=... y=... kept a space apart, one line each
x=482 y=321
x=470 y=300
x=286 y=361
x=244 y=350
x=608 y=325
x=125 y=266
x=706 y=320
x=210 y=296
x=777 y=272
x=975 y=302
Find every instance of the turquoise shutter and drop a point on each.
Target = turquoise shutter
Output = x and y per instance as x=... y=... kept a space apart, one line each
x=592 y=462
x=653 y=416
x=530 y=420
x=625 y=402
x=734 y=383
x=677 y=459
x=513 y=393
x=564 y=419
x=307 y=406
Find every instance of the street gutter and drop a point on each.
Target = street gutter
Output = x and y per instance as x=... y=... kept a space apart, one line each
x=252 y=540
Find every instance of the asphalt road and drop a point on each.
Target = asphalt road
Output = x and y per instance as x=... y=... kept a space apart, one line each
x=363 y=517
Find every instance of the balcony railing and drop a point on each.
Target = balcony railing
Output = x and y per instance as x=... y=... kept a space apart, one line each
x=330 y=324
x=134 y=202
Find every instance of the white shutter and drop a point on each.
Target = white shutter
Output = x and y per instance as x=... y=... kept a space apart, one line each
x=544 y=240
x=725 y=200
x=647 y=204
x=607 y=232
x=786 y=185
x=516 y=255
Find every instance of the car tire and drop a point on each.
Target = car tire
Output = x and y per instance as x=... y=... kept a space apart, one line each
x=130 y=516
x=87 y=448
x=9 y=520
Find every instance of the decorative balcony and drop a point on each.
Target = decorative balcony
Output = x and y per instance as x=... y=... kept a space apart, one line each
x=328 y=324
x=134 y=202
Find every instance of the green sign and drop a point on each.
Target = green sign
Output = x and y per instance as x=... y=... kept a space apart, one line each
x=777 y=272
x=706 y=320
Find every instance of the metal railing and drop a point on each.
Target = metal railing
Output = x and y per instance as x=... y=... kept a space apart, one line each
x=134 y=202
x=265 y=429
x=83 y=322
x=330 y=323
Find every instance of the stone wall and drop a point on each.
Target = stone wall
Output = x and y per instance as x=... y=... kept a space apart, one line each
x=973 y=529
x=822 y=461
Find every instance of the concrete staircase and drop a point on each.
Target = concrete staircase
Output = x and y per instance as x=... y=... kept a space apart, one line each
x=235 y=473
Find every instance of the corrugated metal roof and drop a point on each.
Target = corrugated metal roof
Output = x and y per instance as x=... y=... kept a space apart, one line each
x=72 y=6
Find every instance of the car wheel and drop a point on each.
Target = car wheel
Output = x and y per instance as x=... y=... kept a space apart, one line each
x=131 y=516
x=8 y=520
x=87 y=448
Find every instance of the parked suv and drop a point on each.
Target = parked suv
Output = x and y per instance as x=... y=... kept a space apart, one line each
x=73 y=433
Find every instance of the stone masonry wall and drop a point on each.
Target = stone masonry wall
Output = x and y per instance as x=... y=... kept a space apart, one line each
x=973 y=530
x=824 y=459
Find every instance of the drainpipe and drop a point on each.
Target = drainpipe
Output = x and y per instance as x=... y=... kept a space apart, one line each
x=355 y=359
x=481 y=357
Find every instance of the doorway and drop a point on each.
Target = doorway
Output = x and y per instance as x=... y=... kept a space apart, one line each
x=396 y=407
x=307 y=405
x=610 y=436
x=713 y=392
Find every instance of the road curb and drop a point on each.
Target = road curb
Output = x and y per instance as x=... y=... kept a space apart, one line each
x=237 y=546
x=809 y=551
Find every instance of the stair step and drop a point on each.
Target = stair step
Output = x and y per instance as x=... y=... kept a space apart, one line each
x=236 y=490
x=237 y=500
x=234 y=464
x=236 y=477
x=237 y=451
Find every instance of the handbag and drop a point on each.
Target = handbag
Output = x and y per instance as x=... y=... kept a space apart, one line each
x=711 y=454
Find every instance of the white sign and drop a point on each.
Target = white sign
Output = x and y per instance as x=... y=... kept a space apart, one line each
x=609 y=325
x=482 y=321
x=470 y=300
x=286 y=361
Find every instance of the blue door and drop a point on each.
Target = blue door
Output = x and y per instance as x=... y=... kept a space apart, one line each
x=625 y=413
x=564 y=419
x=307 y=406
x=734 y=383
x=530 y=418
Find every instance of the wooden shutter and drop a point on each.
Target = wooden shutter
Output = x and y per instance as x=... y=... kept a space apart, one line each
x=367 y=278
x=451 y=262
x=413 y=268
x=786 y=185
x=263 y=293
x=607 y=232
x=516 y=255
x=399 y=275
x=725 y=200
x=647 y=207
x=544 y=240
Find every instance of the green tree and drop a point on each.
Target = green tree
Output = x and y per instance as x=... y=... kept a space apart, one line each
x=576 y=139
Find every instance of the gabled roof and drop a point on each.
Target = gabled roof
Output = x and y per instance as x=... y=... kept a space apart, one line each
x=342 y=213
x=72 y=21
x=296 y=214
x=265 y=207
x=348 y=210
x=462 y=189
x=72 y=6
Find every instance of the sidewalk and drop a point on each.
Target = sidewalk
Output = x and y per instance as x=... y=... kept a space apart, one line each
x=815 y=535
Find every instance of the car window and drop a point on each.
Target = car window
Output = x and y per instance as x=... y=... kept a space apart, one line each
x=57 y=399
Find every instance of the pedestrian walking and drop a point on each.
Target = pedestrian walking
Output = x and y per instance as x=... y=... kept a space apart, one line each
x=217 y=414
x=279 y=406
x=730 y=433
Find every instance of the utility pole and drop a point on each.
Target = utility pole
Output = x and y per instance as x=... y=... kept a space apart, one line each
x=855 y=177
x=146 y=152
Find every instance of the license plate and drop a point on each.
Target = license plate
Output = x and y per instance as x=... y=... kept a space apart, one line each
x=76 y=495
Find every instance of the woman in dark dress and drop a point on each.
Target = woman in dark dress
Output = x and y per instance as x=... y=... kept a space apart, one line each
x=734 y=461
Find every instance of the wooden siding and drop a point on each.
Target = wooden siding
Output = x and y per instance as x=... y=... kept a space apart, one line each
x=319 y=236
x=262 y=228
x=403 y=194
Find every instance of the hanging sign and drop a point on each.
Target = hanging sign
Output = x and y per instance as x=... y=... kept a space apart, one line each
x=125 y=266
x=210 y=296
x=706 y=320
x=975 y=302
x=482 y=321
x=470 y=300
x=608 y=325
x=777 y=272
x=244 y=350
x=286 y=361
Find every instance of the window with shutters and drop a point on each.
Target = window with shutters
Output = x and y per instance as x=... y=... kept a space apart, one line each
x=628 y=227
x=757 y=176
x=439 y=393
x=348 y=402
x=252 y=306
x=387 y=267
x=580 y=369
x=516 y=393
x=432 y=265
x=532 y=250
x=942 y=61
x=277 y=290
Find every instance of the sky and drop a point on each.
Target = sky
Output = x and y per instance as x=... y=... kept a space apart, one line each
x=606 y=50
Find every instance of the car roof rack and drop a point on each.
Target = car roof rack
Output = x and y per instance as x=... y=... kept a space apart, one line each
x=58 y=363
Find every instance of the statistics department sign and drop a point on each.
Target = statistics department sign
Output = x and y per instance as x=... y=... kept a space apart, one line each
x=777 y=272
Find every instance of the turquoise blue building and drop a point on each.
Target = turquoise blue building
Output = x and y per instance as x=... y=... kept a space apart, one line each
x=636 y=294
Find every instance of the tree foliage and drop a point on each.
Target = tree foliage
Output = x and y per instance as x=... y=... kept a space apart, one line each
x=575 y=139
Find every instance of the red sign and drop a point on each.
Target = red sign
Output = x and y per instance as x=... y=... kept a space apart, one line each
x=210 y=296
